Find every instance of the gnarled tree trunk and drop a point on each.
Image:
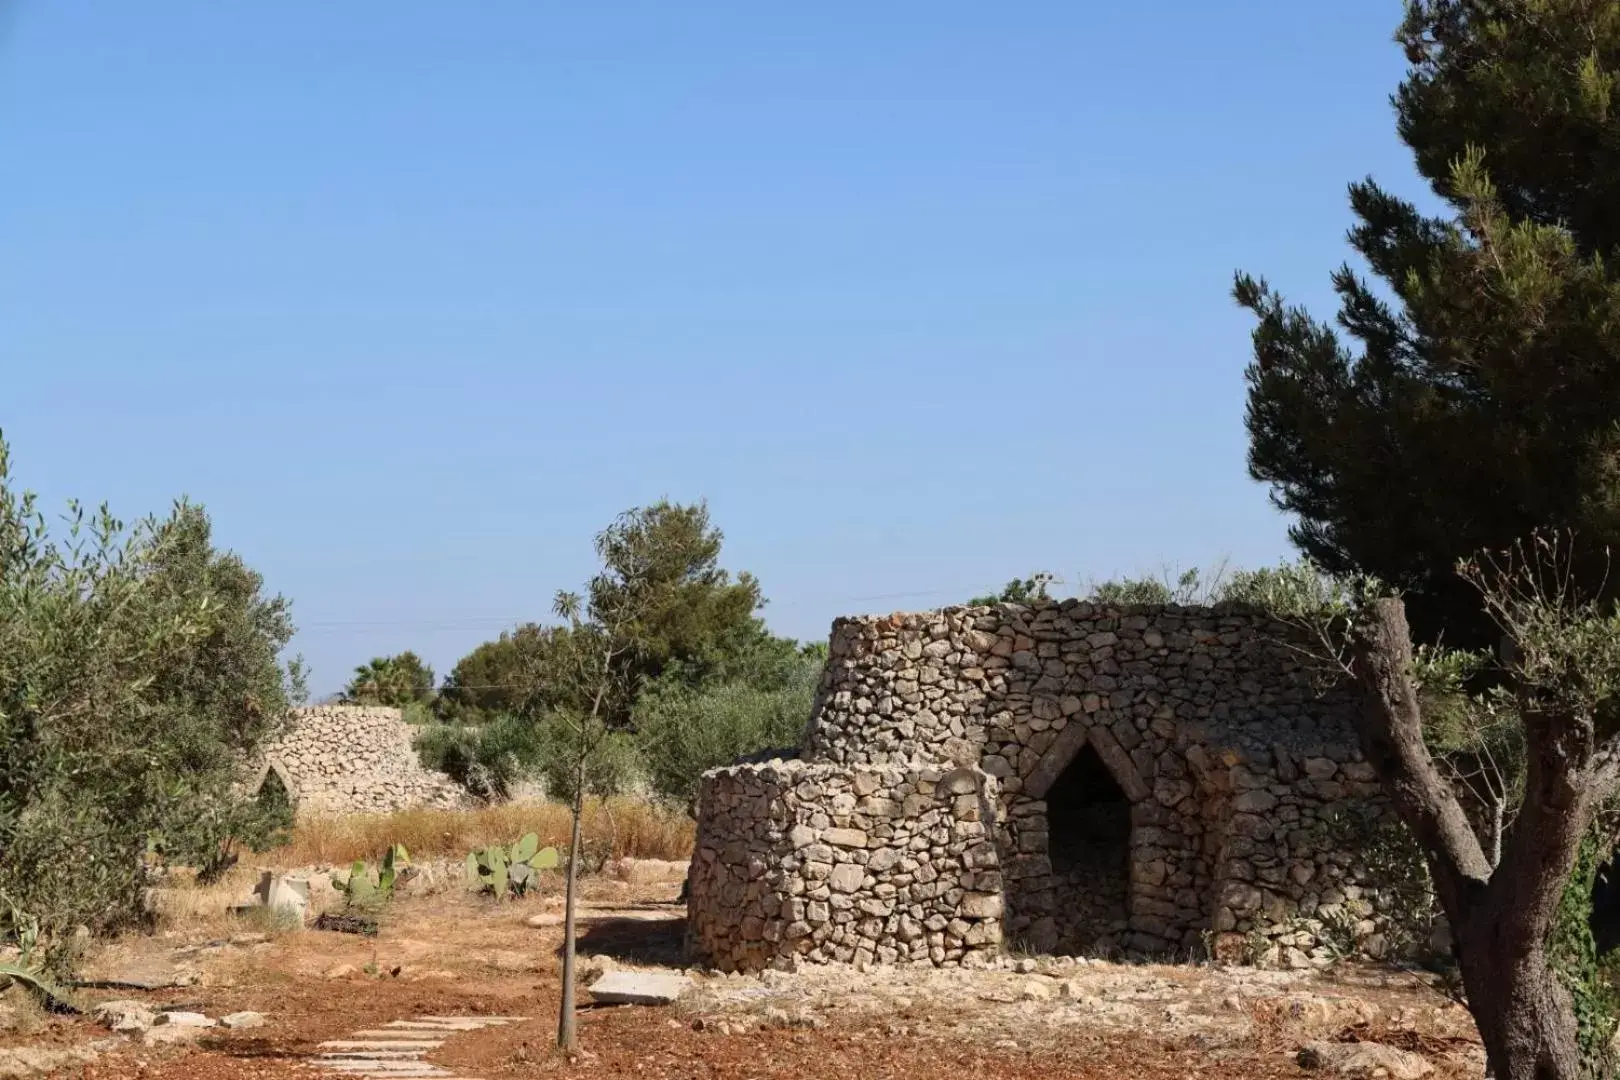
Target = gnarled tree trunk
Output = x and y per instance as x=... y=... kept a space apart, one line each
x=1500 y=916
x=1524 y=1013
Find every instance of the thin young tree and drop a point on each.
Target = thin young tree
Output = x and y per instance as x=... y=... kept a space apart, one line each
x=581 y=686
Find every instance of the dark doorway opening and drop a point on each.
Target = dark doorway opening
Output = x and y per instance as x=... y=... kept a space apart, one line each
x=1089 y=844
x=1088 y=818
x=274 y=801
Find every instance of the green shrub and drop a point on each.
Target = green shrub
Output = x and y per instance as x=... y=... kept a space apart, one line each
x=448 y=748
x=1574 y=956
x=489 y=760
x=683 y=732
x=613 y=768
x=220 y=824
x=418 y=713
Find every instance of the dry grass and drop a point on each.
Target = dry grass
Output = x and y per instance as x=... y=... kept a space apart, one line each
x=184 y=903
x=635 y=829
x=21 y=1012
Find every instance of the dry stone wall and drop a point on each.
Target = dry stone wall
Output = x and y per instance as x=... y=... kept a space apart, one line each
x=884 y=864
x=1230 y=755
x=350 y=759
x=1167 y=779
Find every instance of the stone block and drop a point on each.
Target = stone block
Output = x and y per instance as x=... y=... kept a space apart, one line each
x=847 y=877
x=639 y=988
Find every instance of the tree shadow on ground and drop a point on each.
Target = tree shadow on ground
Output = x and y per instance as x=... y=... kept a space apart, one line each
x=656 y=941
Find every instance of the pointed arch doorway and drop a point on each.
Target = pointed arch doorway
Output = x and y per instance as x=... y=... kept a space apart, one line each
x=1090 y=788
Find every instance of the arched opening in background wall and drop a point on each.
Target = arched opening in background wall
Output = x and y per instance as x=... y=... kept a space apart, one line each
x=275 y=794
x=1089 y=845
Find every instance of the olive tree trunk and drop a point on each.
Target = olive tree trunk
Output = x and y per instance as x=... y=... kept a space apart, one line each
x=1500 y=916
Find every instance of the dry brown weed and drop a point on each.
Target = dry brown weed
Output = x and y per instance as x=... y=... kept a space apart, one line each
x=630 y=828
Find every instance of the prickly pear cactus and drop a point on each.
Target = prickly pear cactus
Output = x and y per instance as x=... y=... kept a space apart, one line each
x=360 y=891
x=502 y=871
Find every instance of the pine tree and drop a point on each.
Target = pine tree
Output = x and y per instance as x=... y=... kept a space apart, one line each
x=1472 y=393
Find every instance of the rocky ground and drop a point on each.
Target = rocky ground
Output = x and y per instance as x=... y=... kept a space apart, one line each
x=444 y=953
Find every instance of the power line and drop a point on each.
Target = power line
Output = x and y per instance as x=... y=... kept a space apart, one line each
x=473 y=622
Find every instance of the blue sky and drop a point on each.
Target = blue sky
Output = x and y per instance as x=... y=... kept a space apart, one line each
x=415 y=297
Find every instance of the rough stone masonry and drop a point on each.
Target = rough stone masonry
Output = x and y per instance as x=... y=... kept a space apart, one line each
x=853 y=864
x=1156 y=780
x=352 y=759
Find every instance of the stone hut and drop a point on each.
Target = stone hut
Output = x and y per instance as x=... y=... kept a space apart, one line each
x=1068 y=778
x=351 y=759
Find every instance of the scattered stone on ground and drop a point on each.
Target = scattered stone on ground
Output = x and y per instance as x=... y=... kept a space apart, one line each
x=1364 y=1059
x=639 y=988
x=648 y=871
x=240 y=1020
x=180 y=1018
x=124 y=1015
x=512 y=961
x=19 y=1062
x=1025 y=1018
x=169 y=1034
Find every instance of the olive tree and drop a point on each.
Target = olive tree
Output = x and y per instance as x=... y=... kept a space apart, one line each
x=138 y=669
x=1559 y=680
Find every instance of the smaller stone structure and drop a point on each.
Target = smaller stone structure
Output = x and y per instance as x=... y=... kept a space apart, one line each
x=352 y=759
x=853 y=864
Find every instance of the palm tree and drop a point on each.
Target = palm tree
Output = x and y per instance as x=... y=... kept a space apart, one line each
x=395 y=681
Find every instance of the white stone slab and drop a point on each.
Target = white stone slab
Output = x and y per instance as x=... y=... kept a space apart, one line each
x=639 y=988
x=386 y=1068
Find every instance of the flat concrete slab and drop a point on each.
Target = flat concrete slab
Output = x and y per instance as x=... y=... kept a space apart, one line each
x=481 y=1021
x=372 y=1055
x=639 y=988
x=386 y=1068
x=395 y=1052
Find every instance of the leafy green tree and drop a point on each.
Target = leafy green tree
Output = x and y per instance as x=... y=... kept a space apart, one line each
x=1475 y=393
x=662 y=562
x=138 y=668
x=683 y=731
x=1507 y=896
x=486 y=683
x=393 y=681
x=694 y=620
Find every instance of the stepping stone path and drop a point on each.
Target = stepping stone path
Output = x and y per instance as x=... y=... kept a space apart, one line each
x=396 y=1050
